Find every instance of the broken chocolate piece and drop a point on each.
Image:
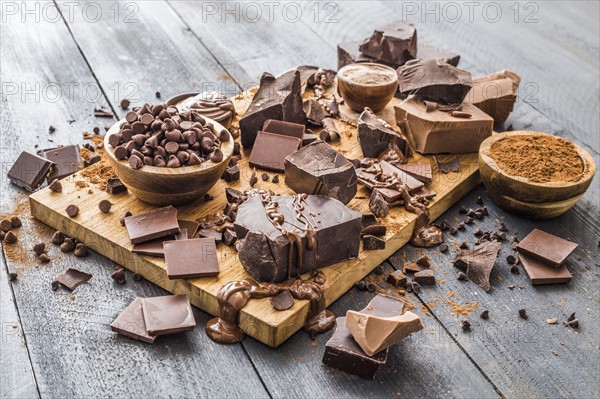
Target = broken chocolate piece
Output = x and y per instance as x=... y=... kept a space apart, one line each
x=478 y=262
x=67 y=160
x=485 y=314
x=119 y=276
x=381 y=324
x=152 y=224
x=523 y=314
x=378 y=205
x=130 y=323
x=382 y=175
x=397 y=278
x=73 y=278
x=541 y=273
x=282 y=301
x=348 y=53
x=372 y=243
x=320 y=170
x=284 y=128
x=115 y=186
x=105 y=206
x=448 y=166
x=546 y=247
x=29 y=171
x=375 y=136
x=378 y=230
x=232 y=174
x=392 y=44
x=192 y=258
x=495 y=94
x=315 y=112
x=168 y=314
x=428 y=52
x=424 y=277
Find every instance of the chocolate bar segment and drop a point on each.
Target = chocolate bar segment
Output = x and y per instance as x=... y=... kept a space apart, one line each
x=194 y=258
x=541 y=273
x=546 y=247
x=29 y=171
x=168 y=314
x=343 y=353
x=319 y=169
x=270 y=149
x=67 y=160
x=348 y=53
x=284 y=128
x=130 y=323
x=147 y=226
x=495 y=94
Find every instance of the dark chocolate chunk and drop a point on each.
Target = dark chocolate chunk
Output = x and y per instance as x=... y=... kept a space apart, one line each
x=67 y=160
x=319 y=169
x=15 y=221
x=168 y=314
x=423 y=261
x=450 y=166
x=119 y=276
x=275 y=179
x=72 y=211
x=130 y=323
x=392 y=44
x=372 y=243
x=496 y=94
x=192 y=258
x=397 y=278
x=424 y=277
x=546 y=247
x=315 y=112
x=73 y=278
x=282 y=301
x=378 y=230
x=229 y=237
x=12 y=276
x=6 y=225
x=485 y=314
x=309 y=137
x=523 y=314
x=57 y=238
x=421 y=171
x=55 y=285
x=375 y=136
x=105 y=206
x=29 y=171
x=115 y=186
x=429 y=52
x=152 y=224
x=434 y=80
x=464 y=245
x=478 y=263
x=465 y=325
x=378 y=205
x=122 y=218
x=271 y=149
x=55 y=186
x=253 y=178
x=39 y=248
x=232 y=174
x=277 y=98
x=371 y=177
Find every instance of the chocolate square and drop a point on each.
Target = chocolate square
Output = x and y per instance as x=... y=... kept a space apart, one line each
x=130 y=323
x=66 y=159
x=270 y=150
x=29 y=171
x=147 y=226
x=546 y=247
x=540 y=273
x=194 y=258
x=168 y=314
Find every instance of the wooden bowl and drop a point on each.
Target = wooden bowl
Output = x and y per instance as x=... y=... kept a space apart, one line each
x=359 y=95
x=521 y=196
x=169 y=186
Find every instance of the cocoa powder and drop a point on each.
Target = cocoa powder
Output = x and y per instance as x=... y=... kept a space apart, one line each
x=540 y=159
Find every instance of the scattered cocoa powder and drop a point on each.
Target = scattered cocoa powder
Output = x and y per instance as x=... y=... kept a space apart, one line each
x=98 y=173
x=462 y=310
x=540 y=159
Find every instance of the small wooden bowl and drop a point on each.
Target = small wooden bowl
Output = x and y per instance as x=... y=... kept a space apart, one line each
x=523 y=197
x=359 y=95
x=169 y=186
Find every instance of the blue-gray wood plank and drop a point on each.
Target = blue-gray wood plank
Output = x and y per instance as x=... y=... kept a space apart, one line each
x=52 y=346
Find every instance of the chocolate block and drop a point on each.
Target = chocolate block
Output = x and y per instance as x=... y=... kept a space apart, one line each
x=546 y=247
x=284 y=128
x=541 y=273
x=309 y=138
x=397 y=278
x=376 y=135
x=343 y=353
x=168 y=314
x=372 y=243
x=393 y=44
x=66 y=160
x=495 y=94
x=348 y=53
x=270 y=149
x=424 y=277
x=148 y=226
x=277 y=98
x=428 y=52
x=319 y=169
x=438 y=132
x=381 y=324
x=29 y=171
x=264 y=251
x=195 y=258
x=315 y=112
x=434 y=80
x=130 y=323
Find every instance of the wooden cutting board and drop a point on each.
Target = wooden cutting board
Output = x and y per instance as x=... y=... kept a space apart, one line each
x=104 y=234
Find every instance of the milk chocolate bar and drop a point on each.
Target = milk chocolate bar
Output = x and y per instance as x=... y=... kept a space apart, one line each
x=368 y=177
x=319 y=169
x=150 y=225
x=495 y=94
x=546 y=247
x=29 y=171
x=438 y=132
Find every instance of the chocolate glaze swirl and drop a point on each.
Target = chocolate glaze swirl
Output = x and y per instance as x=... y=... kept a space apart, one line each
x=213 y=105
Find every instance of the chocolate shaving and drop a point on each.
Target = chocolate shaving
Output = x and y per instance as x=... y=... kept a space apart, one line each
x=478 y=262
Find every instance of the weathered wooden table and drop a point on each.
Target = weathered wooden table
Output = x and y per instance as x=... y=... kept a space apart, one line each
x=57 y=67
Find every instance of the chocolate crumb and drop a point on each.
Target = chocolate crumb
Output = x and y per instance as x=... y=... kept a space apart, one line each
x=105 y=206
x=468 y=220
x=573 y=323
x=39 y=248
x=523 y=314
x=72 y=211
x=485 y=314
x=119 y=276
x=81 y=251
x=479 y=201
x=571 y=317
x=55 y=285
x=12 y=276
x=511 y=259
x=423 y=261
x=466 y=326
x=55 y=186
x=463 y=210
x=51 y=129
x=503 y=227
x=157 y=94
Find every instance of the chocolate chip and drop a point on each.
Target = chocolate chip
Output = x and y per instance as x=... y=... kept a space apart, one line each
x=5 y=225
x=453 y=230
x=443 y=247
x=157 y=94
x=122 y=219
x=67 y=246
x=523 y=314
x=253 y=178
x=237 y=150
x=275 y=179
x=55 y=285
x=81 y=251
x=514 y=269
x=371 y=287
x=44 y=258
x=479 y=201
x=463 y=210
x=119 y=276
x=135 y=162
x=39 y=248
x=360 y=285
x=10 y=237
x=217 y=156
x=57 y=238
x=208 y=197
x=96 y=130
x=379 y=270
x=485 y=314
x=72 y=211
x=461 y=276
x=468 y=220
x=125 y=103
x=478 y=215
x=136 y=277
x=511 y=259
x=466 y=326
x=477 y=232
x=264 y=176
x=12 y=276
x=444 y=225
x=55 y=186
x=464 y=245
x=105 y=206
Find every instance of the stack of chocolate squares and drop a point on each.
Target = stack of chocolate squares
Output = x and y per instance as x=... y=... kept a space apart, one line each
x=543 y=255
x=359 y=344
x=147 y=318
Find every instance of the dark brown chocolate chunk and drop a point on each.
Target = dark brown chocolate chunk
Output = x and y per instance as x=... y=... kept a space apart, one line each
x=464 y=245
x=122 y=218
x=44 y=258
x=392 y=44
x=320 y=170
x=168 y=314
x=434 y=80
x=378 y=230
x=72 y=211
x=397 y=278
x=315 y=112
x=29 y=171
x=51 y=129
x=81 y=250
x=12 y=276
x=271 y=149
x=284 y=128
x=375 y=136
x=55 y=186
x=546 y=247
x=55 y=285
x=465 y=325
x=572 y=323
x=39 y=248
x=192 y=258
x=152 y=224
x=10 y=237
x=215 y=235
x=424 y=277
x=378 y=205
x=449 y=166
x=372 y=243
x=102 y=113
x=73 y=278
x=119 y=276
x=232 y=174
x=229 y=237
x=485 y=314
x=264 y=176
x=282 y=301
x=105 y=206
x=425 y=51
x=423 y=261
x=115 y=186
x=523 y=314
x=514 y=269
x=478 y=262
x=370 y=175
x=275 y=179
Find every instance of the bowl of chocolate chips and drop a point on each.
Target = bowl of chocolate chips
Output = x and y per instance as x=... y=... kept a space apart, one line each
x=166 y=156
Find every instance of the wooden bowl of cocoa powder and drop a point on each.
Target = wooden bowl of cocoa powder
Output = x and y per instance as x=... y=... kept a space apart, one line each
x=536 y=175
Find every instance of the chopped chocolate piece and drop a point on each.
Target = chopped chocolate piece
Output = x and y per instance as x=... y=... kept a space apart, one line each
x=348 y=53
x=216 y=236
x=308 y=138
x=55 y=285
x=372 y=243
x=465 y=325
x=275 y=179
x=253 y=178
x=68 y=245
x=461 y=276
x=424 y=277
x=411 y=268
x=155 y=247
x=29 y=171
x=319 y=169
x=375 y=136
x=378 y=230
x=450 y=166
x=192 y=258
x=434 y=80
x=282 y=301
x=130 y=323
x=443 y=247
x=372 y=177
x=119 y=276
x=511 y=259
x=55 y=186
x=397 y=278
x=420 y=171
x=168 y=314
x=381 y=324
x=485 y=314
x=541 y=273
x=423 y=261
x=453 y=230
x=571 y=317
x=464 y=245
x=73 y=278
x=15 y=221
x=379 y=270
x=232 y=174
x=343 y=353
x=477 y=232
x=368 y=220
x=572 y=323
x=438 y=132
x=81 y=251
x=115 y=186
x=229 y=237
x=315 y=112
x=152 y=224
x=102 y=113
x=468 y=220
x=105 y=206
x=429 y=52
x=514 y=269
x=463 y=210
x=523 y=314
x=478 y=262
x=393 y=44
x=332 y=234
x=12 y=276
x=72 y=211
x=378 y=205
x=495 y=94
x=39 y=248
x=276 y=98
x=546 y=247
x=57 y=238
x=66 y=160
x=51 y=129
